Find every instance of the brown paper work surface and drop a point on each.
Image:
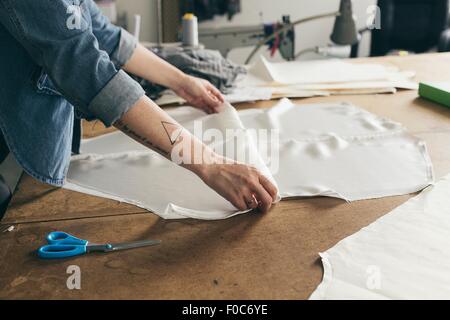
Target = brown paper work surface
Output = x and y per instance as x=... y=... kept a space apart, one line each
x=254 y=256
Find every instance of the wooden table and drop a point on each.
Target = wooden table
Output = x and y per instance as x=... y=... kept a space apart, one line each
x=254 y=256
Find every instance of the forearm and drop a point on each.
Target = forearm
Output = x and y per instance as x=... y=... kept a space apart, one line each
x=147 y=65
x=149 y=125
x=240 y=184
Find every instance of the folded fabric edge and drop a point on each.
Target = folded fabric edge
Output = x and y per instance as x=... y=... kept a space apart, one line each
x=173 y=209
x=94 y=192
x=320 y=292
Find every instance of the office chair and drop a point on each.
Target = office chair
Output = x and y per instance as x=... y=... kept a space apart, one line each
x=411 y=25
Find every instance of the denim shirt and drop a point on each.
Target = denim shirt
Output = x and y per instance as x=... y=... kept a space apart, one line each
x=58 y=57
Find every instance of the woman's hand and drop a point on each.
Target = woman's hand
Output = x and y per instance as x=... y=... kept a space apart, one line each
x=244 y=186
x=199 y=93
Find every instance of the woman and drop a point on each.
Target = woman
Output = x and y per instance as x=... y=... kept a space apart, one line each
x=59 y=58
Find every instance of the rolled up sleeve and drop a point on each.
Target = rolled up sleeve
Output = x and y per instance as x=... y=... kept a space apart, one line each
x=115 y=99
x=116 y=41
x=125 y=49
x=72 y=57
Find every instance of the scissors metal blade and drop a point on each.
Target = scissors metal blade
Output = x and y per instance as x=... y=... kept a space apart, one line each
x=135 y=244
x=122 y=246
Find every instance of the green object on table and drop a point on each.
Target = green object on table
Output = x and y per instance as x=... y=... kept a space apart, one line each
x=438 y=92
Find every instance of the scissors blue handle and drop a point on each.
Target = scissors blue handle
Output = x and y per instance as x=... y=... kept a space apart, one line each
x=62 y=245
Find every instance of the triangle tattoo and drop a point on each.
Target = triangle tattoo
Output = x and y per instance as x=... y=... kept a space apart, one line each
x=173 y=131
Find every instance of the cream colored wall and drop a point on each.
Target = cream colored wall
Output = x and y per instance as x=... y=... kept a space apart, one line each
x=147 y=9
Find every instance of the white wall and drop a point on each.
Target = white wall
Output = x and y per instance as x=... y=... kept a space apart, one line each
x=259 y=11
x=147 y=9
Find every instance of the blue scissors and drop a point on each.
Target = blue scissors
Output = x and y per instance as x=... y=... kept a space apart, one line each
x=63 y=245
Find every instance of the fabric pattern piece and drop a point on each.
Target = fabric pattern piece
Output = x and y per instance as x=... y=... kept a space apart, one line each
x=137 y=175
x=341 y=151
x=403 y=255
x=335 y=150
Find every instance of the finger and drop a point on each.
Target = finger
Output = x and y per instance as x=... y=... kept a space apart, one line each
x=205 y=108
x=264 y=198
x=211 y=100
x=218 y=104
x=269 y=186
x=213 y=106
x=216 y=92
x=234 y=196
x=251 y=201
x=239 y=203
x=201 y=105
x=207 y=101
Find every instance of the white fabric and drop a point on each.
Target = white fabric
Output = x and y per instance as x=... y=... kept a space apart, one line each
x=341 y=151
x=403 y=255
x=122 y=169
x=335 y=150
